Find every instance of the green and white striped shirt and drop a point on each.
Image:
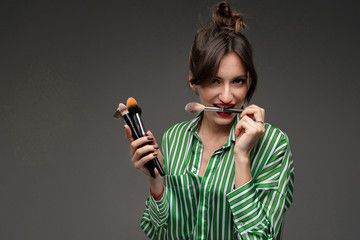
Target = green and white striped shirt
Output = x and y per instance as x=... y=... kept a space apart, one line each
x=208 y=207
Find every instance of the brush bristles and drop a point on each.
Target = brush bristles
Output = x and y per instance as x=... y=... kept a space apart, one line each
x=131 y=102
x=117 y=115
x=194 y=107
x=132 y=106
x=123 y=109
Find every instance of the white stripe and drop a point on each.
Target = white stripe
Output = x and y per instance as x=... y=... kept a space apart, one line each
x=260 y=147
x=240 y=194
x=176 y=171
x=185 y=213
x=247 y=206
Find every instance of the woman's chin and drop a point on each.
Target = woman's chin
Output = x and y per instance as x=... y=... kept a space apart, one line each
x=224 y=119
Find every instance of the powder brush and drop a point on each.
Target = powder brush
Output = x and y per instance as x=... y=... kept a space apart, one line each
x=195 y=107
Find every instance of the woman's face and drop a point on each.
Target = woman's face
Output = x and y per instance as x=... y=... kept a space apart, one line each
x=227 y=90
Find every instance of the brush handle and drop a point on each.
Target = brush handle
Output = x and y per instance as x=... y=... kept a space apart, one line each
x=135 y=134
x=224 y=110
x=151 y=167
x=132 y=126
x=232 y=110
x=212 y=109
x=155 y=161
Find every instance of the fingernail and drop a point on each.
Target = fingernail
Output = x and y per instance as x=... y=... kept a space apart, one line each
x=155 y=154
x=156 y=147
x=150 y=138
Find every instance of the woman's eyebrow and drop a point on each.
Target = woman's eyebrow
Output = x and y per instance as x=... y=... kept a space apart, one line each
x=239 y=76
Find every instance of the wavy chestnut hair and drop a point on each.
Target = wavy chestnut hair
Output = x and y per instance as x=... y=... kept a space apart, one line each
x=211 y=43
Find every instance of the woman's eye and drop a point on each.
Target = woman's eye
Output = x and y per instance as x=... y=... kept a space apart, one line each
x=239 y=81
x=215 y=81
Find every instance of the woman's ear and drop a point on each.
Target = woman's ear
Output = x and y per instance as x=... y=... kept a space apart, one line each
x=193 y=86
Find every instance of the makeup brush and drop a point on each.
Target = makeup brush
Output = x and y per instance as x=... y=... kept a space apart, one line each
x=117 y=115
x=135 y=112
x=195 y=107
x=123 y=113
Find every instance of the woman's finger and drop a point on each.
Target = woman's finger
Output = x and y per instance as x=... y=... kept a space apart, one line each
x=248 y=132
x=248 y=125
x=142 y=161
x=150 y=134
x=160 y=156
x=128 y=133
x=243 y=125
x=139 y=142
x=254 y=112
x=145 y=150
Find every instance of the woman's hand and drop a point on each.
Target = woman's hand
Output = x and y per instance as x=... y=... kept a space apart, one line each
x=141 y=154
x=248 y=131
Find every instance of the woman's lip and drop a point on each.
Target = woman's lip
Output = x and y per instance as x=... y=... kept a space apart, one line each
x=224 y=114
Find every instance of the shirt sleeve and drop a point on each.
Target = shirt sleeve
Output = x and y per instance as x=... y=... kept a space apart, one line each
x=258 y=206
x=154 y=220
x=156 y=214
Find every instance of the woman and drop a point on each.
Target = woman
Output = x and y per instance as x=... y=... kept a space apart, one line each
x=227 y=176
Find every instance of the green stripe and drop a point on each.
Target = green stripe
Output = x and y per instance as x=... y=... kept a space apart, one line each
x=208 y=207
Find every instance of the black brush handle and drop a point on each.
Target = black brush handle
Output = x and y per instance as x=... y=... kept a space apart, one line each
x=155 y=161
x=158 y=166
x=135 y=134
x=151 y=167
x=130 y=123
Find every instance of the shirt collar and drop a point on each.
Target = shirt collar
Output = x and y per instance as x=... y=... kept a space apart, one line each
x=194 y=125
x=231 y=139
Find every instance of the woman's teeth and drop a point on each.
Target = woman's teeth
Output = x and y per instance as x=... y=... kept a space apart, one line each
x=224 y=107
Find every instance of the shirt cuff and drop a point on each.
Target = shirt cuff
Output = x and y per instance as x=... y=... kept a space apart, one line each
x=158 y=209
x=244 y=203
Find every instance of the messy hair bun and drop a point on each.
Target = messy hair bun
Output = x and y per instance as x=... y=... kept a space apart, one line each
x=211 y=43
x=224 y=18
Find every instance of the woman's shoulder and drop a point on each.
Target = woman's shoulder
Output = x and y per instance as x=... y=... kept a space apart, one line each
x=181 y=127
x=274 y=134
x=272 y=148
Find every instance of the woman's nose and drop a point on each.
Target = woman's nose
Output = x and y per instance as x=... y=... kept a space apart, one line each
x=225 y=95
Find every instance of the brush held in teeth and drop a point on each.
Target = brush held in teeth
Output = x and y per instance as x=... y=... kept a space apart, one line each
x=194 y=107
x=231 y=110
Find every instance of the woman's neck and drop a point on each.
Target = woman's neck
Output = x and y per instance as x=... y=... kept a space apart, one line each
x=209 y=128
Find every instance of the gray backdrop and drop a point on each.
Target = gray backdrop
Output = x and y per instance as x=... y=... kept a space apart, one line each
x=65 y=170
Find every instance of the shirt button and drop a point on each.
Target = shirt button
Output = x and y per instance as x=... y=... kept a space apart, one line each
x=193 y=169
x=241 y=224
